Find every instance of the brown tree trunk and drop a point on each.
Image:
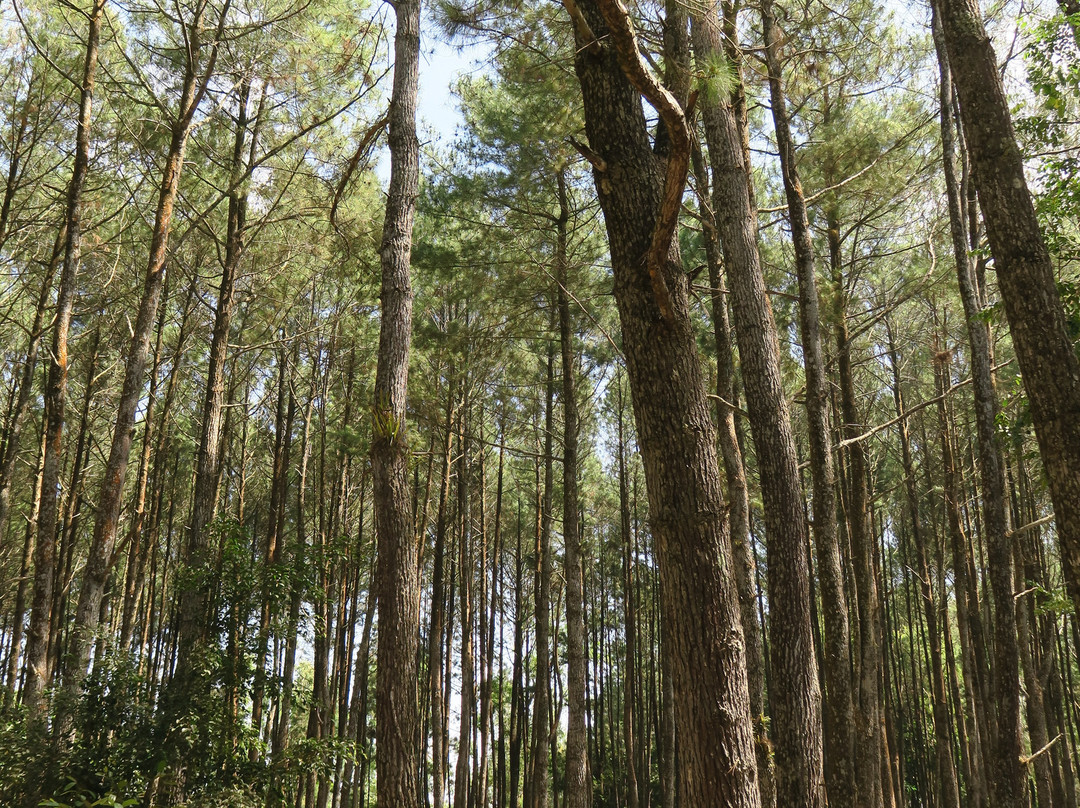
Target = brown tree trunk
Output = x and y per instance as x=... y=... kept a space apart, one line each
x=26 y=385
x=630 y=619
x=795 y=708
x=948 y=790
x=397 y=581
x=703 y=639
x=436 y=628
x=100 y=558
x=738 y=503
x=465 y=595
x=540 y=774
x=38 y=639
x=1047 y=359
x=868 y=722
x=578 y=786
x=192 y=601
x=840 y=738
x=11 y=678
x=1044 y=349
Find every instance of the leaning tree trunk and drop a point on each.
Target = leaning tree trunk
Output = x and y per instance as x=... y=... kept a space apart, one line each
x=1025 y=274
x=1044 y=349
x=702 y=637
x=397 y=582
x=100 y=558
x=38 y=639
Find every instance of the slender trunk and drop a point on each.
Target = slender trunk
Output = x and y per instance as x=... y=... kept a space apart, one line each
x=630 y=618
x=948 y=791
x=840 y=719
x=436 y=628
x=100 y=558
x=540 y=775
x=465 y=596
x=12 y=676
x=208 y=460
x=26 y=385
x=38 y=639
x=795 y=708
x=868 y=768
x=578 y=787
x=397 y=577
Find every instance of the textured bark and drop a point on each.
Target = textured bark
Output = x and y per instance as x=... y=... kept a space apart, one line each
x=840 y=718
x=1048 y=361
x=540 y=772
x=731 y=454
x=578 y=787
x=868 y=724
x=208 y=460
x=795 y=708
x=702 y=636
x=38 y=639
x=948 y=790
x=99 y=561
x=397 y=577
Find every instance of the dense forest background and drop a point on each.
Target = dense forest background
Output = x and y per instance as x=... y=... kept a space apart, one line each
x=698 y=425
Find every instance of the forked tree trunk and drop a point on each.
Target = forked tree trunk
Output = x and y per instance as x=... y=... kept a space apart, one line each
x=702 y=635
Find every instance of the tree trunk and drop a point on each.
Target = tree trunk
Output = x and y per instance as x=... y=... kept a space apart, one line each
x=703 y=639
x=100 y=558
x=948 y=791
x=1048 y=361
x=38 y=639
x=208 y=460
x=795 y=708
x=540 y=775
x=578 y=786
x=868 y=765
x=10 y=452
x=397 y=577
x=840 y=739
